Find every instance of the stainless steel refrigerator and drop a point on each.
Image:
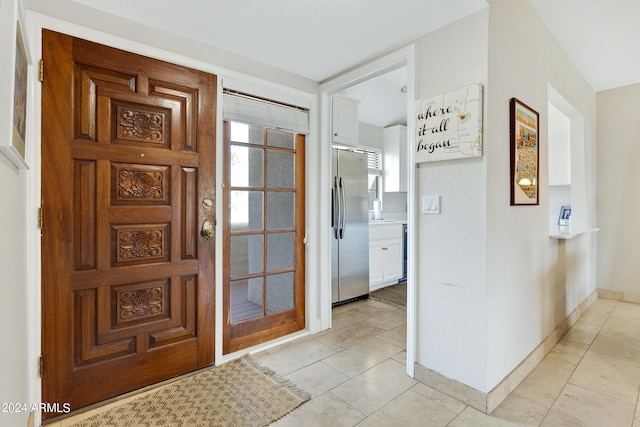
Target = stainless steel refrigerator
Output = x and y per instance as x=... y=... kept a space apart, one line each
x=349 y=226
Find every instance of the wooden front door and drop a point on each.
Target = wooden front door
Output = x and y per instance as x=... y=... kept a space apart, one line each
x=128 y=165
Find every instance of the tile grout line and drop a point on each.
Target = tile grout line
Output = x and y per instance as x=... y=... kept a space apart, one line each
x=368 y=317
x=580 y=361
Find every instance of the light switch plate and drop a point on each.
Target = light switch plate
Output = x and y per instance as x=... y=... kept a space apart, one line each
x=430 y=205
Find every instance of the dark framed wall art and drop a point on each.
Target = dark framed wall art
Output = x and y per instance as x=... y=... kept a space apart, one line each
x=525 y=150
x=14 y=148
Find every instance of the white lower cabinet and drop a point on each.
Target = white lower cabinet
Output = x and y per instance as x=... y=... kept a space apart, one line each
x=385 y=255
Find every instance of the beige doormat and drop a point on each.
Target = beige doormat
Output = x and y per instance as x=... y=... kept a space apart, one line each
x=395 y=295
x=239 y=393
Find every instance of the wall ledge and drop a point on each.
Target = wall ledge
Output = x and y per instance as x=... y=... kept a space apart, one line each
x=487 y=402
x=557 y=232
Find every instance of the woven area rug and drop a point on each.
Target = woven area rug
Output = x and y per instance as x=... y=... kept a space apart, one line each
x=395 y=295
x=239 y=393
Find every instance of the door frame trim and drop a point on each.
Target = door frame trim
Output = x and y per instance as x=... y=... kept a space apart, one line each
x=403 y=57
x=36 y=22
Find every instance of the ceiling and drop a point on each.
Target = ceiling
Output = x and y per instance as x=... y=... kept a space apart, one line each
x=382 y=99
x=314 y=39
x=319 y=39
x=600 y=37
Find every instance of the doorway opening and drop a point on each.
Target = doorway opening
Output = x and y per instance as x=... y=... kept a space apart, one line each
x=384 y=92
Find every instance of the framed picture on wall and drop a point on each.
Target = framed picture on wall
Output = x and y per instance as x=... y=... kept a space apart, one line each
x=15 y=148
x=525 y=149
x=565 y=216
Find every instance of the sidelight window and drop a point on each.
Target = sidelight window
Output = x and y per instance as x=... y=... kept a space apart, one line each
x=263 y=230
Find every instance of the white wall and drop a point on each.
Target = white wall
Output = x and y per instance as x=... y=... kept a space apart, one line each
x=14 y=304
x=370 y=136
x=618 y=152
x=14 y=309
x=492 y=285
x=533 y=282
x=559 y=147
x=452 y=318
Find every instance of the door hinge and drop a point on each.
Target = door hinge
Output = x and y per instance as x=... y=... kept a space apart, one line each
x=41 y=366
x=41 y=73
x=40 y=217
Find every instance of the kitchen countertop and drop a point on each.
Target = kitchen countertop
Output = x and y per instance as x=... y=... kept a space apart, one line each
x=386 y=221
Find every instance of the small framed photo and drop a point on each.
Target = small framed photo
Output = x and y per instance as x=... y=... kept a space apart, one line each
x=565 y=215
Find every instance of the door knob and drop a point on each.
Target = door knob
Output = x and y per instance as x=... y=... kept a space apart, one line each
x=207 y=229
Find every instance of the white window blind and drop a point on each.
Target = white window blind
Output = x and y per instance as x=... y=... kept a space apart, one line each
x=374 y=160
x=248 y=109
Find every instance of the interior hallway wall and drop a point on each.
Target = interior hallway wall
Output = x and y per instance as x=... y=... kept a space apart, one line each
x=451 y=258
x=533 y=282
x=14 y=308
x=492 y=285
x=618 y=150
x=14 y=366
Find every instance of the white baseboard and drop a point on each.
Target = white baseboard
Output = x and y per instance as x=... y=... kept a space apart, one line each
x=619 y=296
x=487 y=402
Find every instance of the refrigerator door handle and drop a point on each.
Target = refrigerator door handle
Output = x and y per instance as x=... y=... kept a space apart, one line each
x=335 y=208
x=343 y=206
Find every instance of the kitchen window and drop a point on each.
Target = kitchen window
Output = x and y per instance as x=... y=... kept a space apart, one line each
x=374 y=160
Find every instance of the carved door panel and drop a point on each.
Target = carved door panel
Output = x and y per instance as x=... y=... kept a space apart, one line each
x=127 y=165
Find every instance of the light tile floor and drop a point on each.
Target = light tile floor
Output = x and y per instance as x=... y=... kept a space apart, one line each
x=356 y=375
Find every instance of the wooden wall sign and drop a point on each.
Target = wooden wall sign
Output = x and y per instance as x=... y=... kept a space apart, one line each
x=449 y=126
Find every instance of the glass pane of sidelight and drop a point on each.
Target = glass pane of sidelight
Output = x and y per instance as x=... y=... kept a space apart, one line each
x=243 y=132
x=280 y=169
x=239 y=132
x=246 y=166
x=280 y=210
x=280 y=251
x=256 y=135
x=246 y=210
x=280 y=292
x=246 y=299
x=246 y=254
x=280 y=138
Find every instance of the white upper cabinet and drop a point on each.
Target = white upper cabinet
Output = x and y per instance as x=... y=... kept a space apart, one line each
x=394 y=158
x=344 y=125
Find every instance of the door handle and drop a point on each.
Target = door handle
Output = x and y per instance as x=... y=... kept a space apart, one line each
x=343 y=205
x=207 y=229
x=335 y=208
